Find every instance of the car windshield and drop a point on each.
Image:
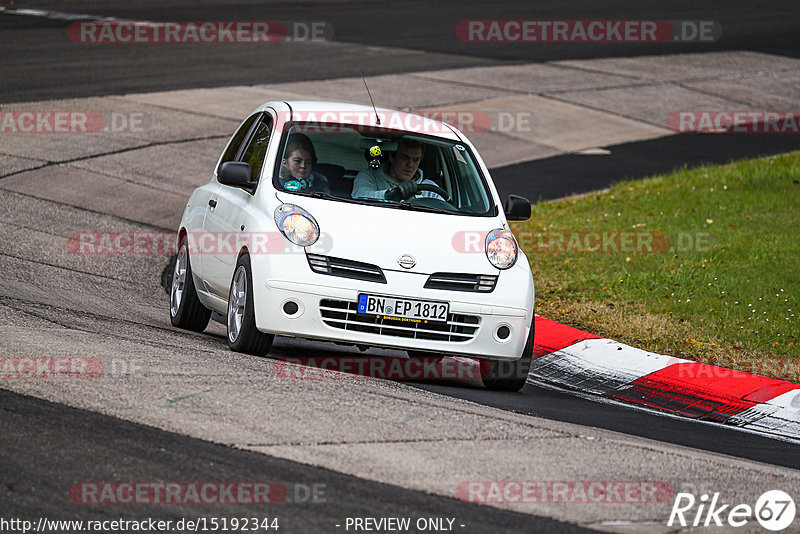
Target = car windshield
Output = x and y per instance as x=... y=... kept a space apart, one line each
x=345 y=163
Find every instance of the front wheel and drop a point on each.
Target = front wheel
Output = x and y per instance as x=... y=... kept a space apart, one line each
x=500 y=375
x=185 y=309
x=243 y=336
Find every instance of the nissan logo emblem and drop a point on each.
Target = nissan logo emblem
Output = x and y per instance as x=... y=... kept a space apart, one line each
x=406 y=261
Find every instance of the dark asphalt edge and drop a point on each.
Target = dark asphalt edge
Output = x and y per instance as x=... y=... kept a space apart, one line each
x=548 y=401
x=568 y=174
x=129 y=440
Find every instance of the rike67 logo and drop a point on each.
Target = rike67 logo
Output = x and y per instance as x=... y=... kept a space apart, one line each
x=774 y=510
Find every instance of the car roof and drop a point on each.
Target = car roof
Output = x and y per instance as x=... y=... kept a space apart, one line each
x=360 y=115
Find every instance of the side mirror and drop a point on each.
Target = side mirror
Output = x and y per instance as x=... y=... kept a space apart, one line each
x=236 y=173
x=517 y=208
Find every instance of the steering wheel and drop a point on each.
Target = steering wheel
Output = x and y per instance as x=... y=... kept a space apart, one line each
x=434 y=189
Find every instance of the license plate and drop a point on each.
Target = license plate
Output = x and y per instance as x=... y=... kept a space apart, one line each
x=403 y=309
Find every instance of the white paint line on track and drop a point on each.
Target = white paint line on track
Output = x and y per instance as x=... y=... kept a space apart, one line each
x=60 y=15
x=54 y=15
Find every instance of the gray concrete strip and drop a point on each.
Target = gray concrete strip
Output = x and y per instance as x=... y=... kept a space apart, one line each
x=176 y=168
x=499 y=149
x=562 y=126
x=542 y=133
x=393 y=91
x=237 y=400
x=51 y=217
x=23 y=243
x=13 y=164
x=682 y=82
x=774 y=91
x=99 y=126
x=52 y=292
x=574 y=105
x=85 y=189
x=531 y=78
x=233 y=103
x=398 y=91
x=651 y=104
x=685 y=67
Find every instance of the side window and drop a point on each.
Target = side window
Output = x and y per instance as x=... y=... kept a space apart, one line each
x=256 y=149
x=238 y=138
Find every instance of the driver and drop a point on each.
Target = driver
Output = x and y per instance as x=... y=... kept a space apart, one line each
x=398 y=179
x=296 y=172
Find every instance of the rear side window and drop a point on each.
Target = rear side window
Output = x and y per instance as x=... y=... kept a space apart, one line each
x=256 y=148
x=238 y=138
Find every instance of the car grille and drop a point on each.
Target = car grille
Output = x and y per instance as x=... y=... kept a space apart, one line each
x=345 y=268
x=342 y=314
x=481 y=283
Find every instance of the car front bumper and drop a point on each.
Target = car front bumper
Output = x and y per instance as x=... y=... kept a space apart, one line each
x=326 y=310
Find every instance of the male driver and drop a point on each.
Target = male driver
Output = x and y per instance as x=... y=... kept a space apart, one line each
x=399 y=179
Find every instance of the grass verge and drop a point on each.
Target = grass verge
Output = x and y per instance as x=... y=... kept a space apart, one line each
x=702 y=264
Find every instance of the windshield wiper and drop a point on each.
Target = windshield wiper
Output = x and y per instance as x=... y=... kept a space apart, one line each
x=371 y=200
x=406 y=205
x=320 y=194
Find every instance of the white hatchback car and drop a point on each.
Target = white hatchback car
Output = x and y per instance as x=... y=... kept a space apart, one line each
x=344 y=223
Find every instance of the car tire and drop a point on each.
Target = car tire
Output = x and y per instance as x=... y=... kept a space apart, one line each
x=501 y=375
x=243 y=336
x=185 y=309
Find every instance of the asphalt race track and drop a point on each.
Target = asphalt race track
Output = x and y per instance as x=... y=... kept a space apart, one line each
x=49 y=446
x=178 y=406
x=414 y=30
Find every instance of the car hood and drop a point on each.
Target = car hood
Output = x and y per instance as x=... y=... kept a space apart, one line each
x=380 y=236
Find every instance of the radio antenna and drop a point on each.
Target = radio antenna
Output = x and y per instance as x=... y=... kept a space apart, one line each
x=377 y=118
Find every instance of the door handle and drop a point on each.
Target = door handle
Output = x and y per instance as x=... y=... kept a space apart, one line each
x=212 y=203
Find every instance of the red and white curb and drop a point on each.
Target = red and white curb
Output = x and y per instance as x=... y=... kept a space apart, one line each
x=575 y=359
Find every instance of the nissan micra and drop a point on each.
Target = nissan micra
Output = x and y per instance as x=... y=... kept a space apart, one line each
x=351 y=224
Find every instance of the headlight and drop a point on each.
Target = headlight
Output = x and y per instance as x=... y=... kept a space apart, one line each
x=501 y=248
x=297 y=225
